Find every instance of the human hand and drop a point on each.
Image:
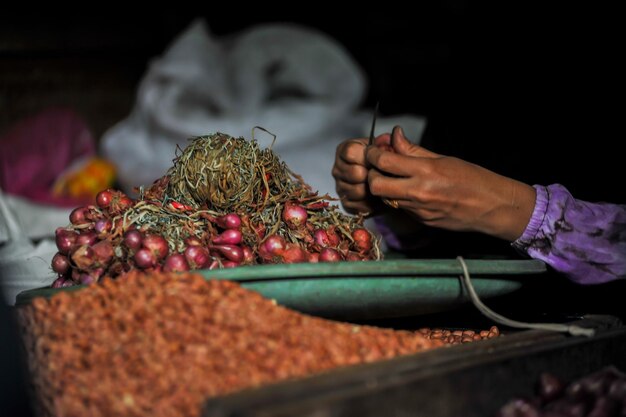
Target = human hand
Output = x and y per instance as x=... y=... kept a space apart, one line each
x=445 y=192
x=350 y=171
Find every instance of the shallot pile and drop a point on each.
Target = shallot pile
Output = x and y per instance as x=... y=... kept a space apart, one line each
x=223 y=203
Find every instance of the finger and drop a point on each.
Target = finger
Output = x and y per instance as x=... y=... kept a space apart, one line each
x=383 y=140
x=352 y=151
x=349 y=173
x=357 y=207
x=351 y=191
x=401 y=144
x=396 y=164
x=384 y=186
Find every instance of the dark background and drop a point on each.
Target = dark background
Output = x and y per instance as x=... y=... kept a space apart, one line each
x=531 y=90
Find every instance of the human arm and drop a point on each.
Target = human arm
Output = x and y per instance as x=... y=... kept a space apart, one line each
x=585 y=241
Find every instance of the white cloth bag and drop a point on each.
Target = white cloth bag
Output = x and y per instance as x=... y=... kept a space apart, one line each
x=295 y=82
x=23 y=265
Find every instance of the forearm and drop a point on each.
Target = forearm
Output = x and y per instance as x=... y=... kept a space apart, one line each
x=586 y=241
x=507 y=206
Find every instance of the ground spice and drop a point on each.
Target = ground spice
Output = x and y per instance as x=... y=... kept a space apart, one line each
x=160 y=344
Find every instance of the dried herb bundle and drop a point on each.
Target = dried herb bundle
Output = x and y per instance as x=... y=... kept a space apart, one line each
x=229 y=174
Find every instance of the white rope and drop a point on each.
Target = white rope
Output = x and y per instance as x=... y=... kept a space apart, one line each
x=556 y=327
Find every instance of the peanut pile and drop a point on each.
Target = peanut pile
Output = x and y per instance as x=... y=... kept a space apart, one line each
x=160 y=344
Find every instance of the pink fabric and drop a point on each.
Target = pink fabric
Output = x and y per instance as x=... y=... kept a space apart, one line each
x=36 y=150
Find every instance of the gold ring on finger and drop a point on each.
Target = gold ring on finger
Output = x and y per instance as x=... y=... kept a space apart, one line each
x=391 y=202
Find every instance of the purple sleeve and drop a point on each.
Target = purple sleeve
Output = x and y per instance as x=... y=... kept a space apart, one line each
x=585 y=241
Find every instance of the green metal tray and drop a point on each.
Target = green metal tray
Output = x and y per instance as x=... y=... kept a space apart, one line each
x=367 y=290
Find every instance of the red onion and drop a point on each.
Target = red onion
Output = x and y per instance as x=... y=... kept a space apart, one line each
x=176 y=263
x=87 y=237
x=119 y=202
x=124 y=202
x=157 y=245
x=321 y=238
x=87 y=279
x=333 y=237
x=104 y=198
x=58 y=283
x=60 y=263
x=294 y=215
x=228 y=237
x=329 y=255
x=67 y=283
x=293 y=253
x=230 y=252
x=313 y=257
x=193 y=241
x=103 y=226
x=83 y=257
x=117 y=268
x=103 y=252
x=79 y=216
x=144 y=258
x=65 y=239
x=229 y=221
x=248 y=255
x=214 y=264
x=133 y=239
x=273 y=245
x=353 y=256
x=230 y=264
x=75 y=275
x=62 y=281
x=362 y=240
x=197 y=257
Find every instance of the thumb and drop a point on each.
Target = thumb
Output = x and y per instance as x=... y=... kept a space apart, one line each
x=401 y=145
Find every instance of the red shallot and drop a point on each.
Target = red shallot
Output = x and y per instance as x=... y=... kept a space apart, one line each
x=230 y=252
x=329 y=255
x=60 y=263
x=229 y=221
x=197 y=257
x=228 y=237
x=294 y=215
x=176 y=263
x=157 y=245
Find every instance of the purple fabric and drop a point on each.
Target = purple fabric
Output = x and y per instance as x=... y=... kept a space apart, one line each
x=585 y=241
